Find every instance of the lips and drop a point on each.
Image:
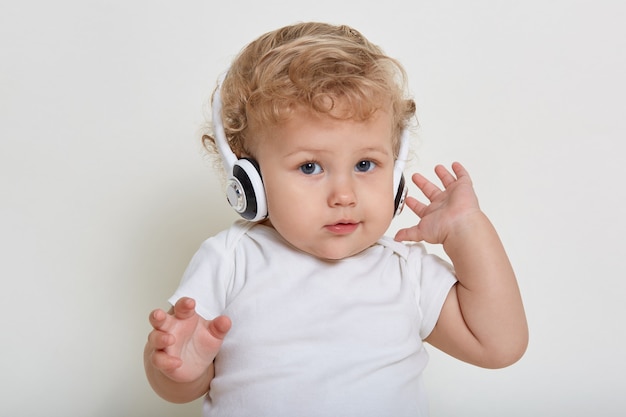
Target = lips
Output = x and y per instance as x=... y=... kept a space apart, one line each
x=342 y=228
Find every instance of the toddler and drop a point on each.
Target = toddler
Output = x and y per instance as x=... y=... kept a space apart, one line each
x=303 y=307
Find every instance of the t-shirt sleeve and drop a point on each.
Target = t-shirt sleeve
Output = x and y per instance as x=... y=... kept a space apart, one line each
x=206 y=278
x=436 y=277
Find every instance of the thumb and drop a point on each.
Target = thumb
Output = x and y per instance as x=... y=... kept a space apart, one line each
x=219 y=326
x=412 y=234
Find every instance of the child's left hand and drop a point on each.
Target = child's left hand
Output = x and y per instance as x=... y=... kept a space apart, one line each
x=482 y=320
x=448 y=208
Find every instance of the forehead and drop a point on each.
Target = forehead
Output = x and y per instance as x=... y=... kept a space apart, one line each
x=304 y=127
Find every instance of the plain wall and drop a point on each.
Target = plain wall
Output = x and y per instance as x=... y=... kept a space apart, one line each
x=105 y=193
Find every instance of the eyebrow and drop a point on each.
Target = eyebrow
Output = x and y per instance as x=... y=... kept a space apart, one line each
x=374 y=149
x=377 y=149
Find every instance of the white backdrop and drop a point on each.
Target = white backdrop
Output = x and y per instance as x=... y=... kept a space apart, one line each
x=105 y=194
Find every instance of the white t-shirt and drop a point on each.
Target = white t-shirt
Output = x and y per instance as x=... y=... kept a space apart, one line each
x=314 y=338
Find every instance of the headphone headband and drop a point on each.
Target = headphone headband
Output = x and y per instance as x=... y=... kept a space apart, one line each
x=228 y=157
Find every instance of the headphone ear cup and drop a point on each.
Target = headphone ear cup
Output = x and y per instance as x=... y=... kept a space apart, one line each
x=400 y=197
x=245 y=191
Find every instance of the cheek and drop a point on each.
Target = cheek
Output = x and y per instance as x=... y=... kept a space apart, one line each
x=284 y=200
x=291 y=213
x=381 y=191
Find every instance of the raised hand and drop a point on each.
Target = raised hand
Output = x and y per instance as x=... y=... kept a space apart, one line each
x=482 y=320
x=448 y=209
x=183 y=345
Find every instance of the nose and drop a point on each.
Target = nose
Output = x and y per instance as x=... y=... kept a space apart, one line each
x=342 y=192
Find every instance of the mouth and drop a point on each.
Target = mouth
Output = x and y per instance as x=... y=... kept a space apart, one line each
x=342 y=227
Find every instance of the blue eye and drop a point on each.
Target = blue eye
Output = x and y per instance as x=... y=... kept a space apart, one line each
x=364 y=166
x=311 y=168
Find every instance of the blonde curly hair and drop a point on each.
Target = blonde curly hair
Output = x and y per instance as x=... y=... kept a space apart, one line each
x=314 y=65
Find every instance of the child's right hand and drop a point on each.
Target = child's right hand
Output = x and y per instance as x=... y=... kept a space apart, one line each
x=182 y=344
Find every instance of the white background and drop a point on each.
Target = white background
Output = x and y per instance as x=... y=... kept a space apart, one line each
x=105 y=193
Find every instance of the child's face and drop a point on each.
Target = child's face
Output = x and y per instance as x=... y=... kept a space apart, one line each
x=328 y=182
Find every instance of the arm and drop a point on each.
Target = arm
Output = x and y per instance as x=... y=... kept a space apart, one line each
x=179 y=354
x=482 y=321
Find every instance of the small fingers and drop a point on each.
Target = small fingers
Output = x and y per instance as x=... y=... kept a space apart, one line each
x=165 y=362
x=184 y=308
x=459 y=170
x=415 y=205
x=444 y=175
x=429 y=189
x=157 y=318
x=160 y=340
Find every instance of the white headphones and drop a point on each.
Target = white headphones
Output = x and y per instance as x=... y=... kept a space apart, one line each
x=244 y=188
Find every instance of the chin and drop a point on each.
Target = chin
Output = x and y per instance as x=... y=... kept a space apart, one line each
x=337 y=255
